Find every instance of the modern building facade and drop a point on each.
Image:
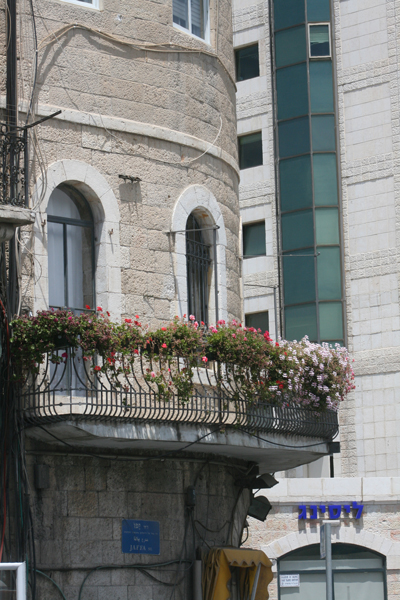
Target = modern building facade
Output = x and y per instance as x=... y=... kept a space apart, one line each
x=317 y=106
x=133 y=181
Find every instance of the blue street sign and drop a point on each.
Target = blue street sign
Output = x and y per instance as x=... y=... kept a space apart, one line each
x=140 y=537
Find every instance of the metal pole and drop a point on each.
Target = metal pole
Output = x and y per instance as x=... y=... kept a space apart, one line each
x=215 y=274
x=328 y=562
x=276 y=314
x=255 y=584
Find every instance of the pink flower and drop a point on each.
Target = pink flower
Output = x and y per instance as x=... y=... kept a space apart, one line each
x=214 y=330
x=99 y=308
x=169 y=370
x=152 y=374
x=245 y=339
x=164 y=346
x=204 y=359
x=234 y=335
x=192 y=317
x=69 y=318
x=136 y=316
x=163 y=329
x=64 y=354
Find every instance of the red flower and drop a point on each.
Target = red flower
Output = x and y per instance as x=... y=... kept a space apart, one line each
x=108 y=314
x=163 y=329
x=64 y=354
x=99 y=308
x=164 y=345
x=136 y=316
x=276 y=344
x=128 y=320
x=87 y=306
x=136 y=351
x=97 y=368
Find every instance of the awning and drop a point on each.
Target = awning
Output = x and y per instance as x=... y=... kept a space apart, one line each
x=217 y=573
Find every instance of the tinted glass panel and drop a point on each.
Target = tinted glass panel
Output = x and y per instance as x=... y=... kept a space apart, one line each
x=327 y=225
x=297 y=230
x=288 y=12
x=299 y=277
x=250 y=151
x=312 y=586
x=294 y=137
x=301 y=321
x=329 y=274
x=323 y=132
x=331 y=321
x=321 y=87
x=295 y=183
x=258 y=320
x=180 y=12
x=197 y=17
x=318 y=10
x=254 y=239
x=290 y=46
x=292 y=91
x=247 y=63
x=325 y=179
x=360 y=586
x=57 y=296
x=319 y=40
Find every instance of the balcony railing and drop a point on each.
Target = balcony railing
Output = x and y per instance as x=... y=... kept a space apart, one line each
x=73 y=389
x=13 y=167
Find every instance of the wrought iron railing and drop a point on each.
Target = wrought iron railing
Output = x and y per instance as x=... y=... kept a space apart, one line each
x=75 y=389
x=13 y=167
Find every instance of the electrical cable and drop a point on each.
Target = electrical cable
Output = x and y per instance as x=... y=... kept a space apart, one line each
x=52 y=581
x=280 y=445
x=133 y=459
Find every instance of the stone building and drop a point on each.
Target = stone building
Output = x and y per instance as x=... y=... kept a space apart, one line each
x=317 y=107
x=135 y=165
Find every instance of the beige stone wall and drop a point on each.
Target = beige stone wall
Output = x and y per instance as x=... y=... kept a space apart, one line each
x=140 y=98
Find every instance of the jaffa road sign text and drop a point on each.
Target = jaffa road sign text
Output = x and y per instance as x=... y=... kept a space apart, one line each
x=140 y=537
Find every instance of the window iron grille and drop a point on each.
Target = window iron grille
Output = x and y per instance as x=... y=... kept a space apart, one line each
x=198 y=263
x=13 y=167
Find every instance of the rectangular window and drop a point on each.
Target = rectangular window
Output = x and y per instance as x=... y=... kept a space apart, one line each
x=254 y=239
x=250 y=150
x=247 y=63
x=85 y=3
x=259 y=320
x=319 y=40
x=192 y=15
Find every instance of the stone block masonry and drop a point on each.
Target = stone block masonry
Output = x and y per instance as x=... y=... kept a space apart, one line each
x=78 y=521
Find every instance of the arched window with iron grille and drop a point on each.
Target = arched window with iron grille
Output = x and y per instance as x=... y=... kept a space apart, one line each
x=198 y=264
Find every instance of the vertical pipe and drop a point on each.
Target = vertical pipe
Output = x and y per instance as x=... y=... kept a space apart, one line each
x=255 y=584
x=215 y=274
x=26 y=167
x=276 y=314
x=328 y=562
x=198 y=592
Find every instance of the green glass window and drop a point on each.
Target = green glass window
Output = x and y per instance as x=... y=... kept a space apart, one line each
x=250 y=150
x=300 y=321
x=290 y=46
x=331 y=321
x=297 y=230
x=321 y=86
x=327 y=226
x=294 y=137
x=254 y=239
x=323 y=132
x=299 y=277
x=292 y=91
x=325 y=179
x=318 y=10
x=319 y=41
x=247 y=62
x=295 y=183
x=259 y=320
x=329 y=273
x=288 y=13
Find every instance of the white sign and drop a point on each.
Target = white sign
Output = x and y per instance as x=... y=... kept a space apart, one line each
x=290 y=580
x=322 y=542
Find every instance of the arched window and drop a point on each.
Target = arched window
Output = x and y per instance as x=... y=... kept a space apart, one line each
x=198 y=264
x=70 y=250
x=358 y=574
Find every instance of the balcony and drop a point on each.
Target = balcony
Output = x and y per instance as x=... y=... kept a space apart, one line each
x=70 y=400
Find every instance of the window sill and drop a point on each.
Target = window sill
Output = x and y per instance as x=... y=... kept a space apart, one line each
x=205 y=40
x=97 y=4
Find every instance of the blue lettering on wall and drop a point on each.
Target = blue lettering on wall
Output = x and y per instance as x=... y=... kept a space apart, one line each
x=334 y=510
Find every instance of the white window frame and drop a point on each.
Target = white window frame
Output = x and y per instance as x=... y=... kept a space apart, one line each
x=93 y=5
x=329 y=37
x=206 y=16
x=20 y=568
